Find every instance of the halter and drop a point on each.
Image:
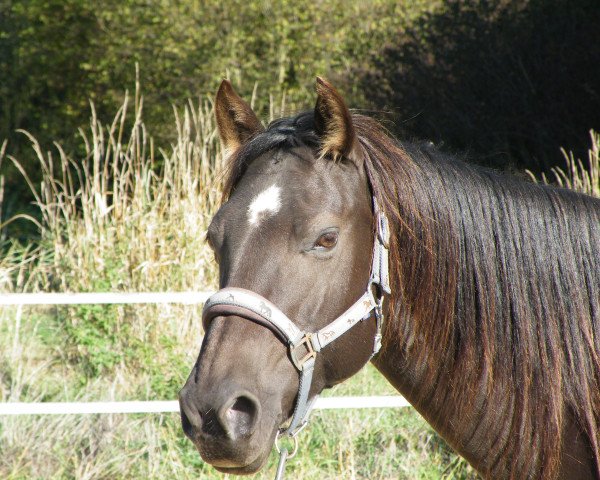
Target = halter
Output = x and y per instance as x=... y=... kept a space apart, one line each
x=304 y=346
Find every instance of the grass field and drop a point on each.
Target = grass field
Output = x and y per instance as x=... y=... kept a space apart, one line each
x=369 y=444
x=109 y=222
x=366 y=444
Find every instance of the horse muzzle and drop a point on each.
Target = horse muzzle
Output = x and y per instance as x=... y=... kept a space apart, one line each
x=225 y=428
x=237 y=395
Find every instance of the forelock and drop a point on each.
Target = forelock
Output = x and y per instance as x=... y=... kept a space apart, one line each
x=283 y=133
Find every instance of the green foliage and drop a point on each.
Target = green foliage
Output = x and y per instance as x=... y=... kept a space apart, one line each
x=94 y=334
x=60 y=53
x=184 y=48
x=43 y=44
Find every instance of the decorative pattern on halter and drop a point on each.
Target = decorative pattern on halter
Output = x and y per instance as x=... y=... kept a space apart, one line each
x=304 y=346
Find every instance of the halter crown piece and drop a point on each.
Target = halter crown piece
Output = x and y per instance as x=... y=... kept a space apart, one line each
x=304 y=346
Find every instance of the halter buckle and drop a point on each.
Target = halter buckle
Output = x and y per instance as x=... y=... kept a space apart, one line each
x=379 y=323
x=310 y=351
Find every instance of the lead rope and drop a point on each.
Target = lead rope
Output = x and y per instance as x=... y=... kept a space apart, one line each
x=283 y=455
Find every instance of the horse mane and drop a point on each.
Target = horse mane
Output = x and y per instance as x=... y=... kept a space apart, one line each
x=495 y=290
x=498 y=279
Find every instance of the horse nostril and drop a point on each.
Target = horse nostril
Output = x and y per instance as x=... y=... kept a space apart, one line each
x=191 y=419
x=240 y=418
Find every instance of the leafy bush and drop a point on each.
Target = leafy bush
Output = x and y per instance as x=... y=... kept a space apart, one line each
x=184 y=49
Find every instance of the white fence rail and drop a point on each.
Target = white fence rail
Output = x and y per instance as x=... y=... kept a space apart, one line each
x=169 y=406
x=187 y=298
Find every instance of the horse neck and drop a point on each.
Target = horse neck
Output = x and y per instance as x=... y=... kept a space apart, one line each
x=420 y=349
x=446 y=381
x=466 y=322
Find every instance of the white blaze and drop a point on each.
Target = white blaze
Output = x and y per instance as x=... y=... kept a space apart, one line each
x=268 y=201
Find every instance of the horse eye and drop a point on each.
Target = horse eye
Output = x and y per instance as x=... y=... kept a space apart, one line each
x=327 y=240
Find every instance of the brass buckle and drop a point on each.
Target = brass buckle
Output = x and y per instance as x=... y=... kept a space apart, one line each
x=310 y=351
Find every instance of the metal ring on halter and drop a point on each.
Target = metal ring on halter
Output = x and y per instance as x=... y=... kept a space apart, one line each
x=278 y=448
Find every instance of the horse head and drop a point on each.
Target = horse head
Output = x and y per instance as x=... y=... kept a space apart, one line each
x=297 y=231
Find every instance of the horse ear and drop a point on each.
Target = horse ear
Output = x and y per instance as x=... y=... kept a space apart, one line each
x=333 y=123
x=236 y=121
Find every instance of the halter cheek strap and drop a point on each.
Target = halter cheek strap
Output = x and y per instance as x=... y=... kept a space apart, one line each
x=304 y=346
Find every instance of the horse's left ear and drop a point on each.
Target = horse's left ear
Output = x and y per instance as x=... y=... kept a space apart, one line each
x=333 y=123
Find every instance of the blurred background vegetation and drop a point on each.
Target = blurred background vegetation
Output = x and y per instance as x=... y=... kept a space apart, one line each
x=508 y=81
x=105 y=189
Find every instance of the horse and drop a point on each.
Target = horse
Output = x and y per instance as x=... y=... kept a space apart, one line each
x=490 y=326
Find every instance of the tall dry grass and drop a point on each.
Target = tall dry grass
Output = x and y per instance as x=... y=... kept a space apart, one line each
x=112 y=204
x=577 y=175
x=128 y=216
x=122 y=216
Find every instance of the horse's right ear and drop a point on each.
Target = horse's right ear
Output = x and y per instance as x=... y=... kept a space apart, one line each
x=236 y=121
